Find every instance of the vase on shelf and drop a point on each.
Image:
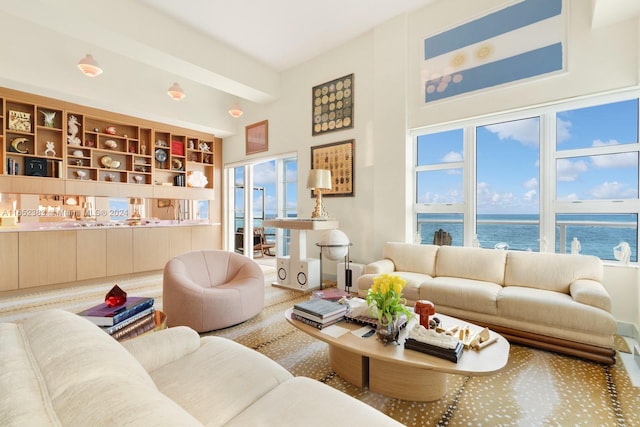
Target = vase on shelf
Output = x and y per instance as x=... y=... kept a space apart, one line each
x=388 y=331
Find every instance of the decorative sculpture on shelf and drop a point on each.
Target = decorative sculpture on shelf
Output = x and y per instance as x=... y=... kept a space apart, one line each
x=49 y=118
x=622 y=252
x=73 y=125
x=51 y=149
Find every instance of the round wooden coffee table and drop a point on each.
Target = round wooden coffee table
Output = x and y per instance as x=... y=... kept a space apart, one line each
x=401 y=373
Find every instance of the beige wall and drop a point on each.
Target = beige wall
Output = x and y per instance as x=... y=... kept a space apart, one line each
x=387 y=105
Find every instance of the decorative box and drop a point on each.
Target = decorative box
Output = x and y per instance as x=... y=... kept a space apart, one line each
x=19 y=121
x=35 y=166
x=177 y=148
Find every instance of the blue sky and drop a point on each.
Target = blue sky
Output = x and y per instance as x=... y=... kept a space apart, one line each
x=508 y=160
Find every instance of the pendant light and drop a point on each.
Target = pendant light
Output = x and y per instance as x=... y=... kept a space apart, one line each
x=176 y=92
x=89 y=66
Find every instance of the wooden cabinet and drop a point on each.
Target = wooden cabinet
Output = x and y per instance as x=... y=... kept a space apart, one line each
x=151 y=248
x=91 y=254
x=47 y=138
x=203 y=238
x=52 y=257
x=46 y=257
x=9 y=261
x=179 y=240
x=119 y=251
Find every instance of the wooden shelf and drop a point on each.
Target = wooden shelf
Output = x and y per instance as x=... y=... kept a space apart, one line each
x=70 y=142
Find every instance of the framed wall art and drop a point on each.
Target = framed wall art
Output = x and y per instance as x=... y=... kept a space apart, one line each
x=338 y=157
x=333 y=105
x=257 y=137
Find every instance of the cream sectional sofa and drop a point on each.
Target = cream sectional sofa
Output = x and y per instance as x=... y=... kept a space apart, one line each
x=552 y=301
x=58 y=369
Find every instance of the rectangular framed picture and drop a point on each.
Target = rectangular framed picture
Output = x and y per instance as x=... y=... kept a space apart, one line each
x=337 y=157
x=257 y=137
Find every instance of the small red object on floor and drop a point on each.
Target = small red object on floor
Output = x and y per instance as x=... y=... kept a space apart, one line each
x=115 y=297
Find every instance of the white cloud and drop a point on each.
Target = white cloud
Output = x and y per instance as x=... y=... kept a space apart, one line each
x=567 y=170
x=449 y=196
x=524 y=131
x=488 y=197
x=452 y=156
x=568 y=198
x=531 y=184
x=620 y=160
x=264 y=173
x=563 y=128
x=612 y=190
x=530 y=195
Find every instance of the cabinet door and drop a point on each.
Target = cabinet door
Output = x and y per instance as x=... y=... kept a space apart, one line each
x=91 y=254
x=150 y=248
x=202 y=237
x=9 y=261
x=119 y=251
x=46 y=257
x=179 y=240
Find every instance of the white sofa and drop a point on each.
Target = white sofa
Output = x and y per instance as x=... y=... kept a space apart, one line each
x=58 y=369
x=552 y=301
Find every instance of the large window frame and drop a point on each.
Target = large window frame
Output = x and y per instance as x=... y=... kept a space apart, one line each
x=550 y=206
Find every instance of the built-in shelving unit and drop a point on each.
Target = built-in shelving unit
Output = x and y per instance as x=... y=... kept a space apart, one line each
x=94 y=152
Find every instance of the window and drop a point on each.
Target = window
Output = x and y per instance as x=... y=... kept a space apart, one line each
x=439 y=196
x=274 y=194
x=534 y=180
x=507 y=184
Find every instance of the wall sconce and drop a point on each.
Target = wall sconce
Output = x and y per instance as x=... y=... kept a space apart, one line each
x=176 y=92
x=89 y=66
x=318 y=180
x=235 y=111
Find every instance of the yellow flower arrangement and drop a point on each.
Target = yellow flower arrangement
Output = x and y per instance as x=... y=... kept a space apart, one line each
x=385 y=296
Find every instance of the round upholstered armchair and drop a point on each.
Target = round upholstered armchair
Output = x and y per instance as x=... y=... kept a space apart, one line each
x=211 y=289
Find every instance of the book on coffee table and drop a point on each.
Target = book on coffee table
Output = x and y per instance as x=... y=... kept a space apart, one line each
x=452 y=354
x=103 y=315
x=320 y=308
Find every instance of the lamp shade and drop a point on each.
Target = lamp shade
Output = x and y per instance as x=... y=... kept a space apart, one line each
x=235 y=111
x=319 y=179
x=176 y=92
x=89 y=66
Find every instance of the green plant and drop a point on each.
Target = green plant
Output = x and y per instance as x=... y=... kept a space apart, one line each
x=385 y=297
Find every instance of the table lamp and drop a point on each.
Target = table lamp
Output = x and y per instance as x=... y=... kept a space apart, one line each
x=318 y=180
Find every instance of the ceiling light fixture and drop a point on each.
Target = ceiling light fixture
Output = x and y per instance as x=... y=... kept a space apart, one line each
x=176 y=92
x=89 y=66
x=235 y=111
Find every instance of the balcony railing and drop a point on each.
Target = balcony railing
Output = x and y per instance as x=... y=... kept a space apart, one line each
x=562 y=227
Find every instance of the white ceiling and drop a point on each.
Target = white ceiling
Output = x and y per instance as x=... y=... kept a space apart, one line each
x=284 y=33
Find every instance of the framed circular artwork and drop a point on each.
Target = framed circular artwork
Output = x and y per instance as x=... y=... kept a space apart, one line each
x=332 y=105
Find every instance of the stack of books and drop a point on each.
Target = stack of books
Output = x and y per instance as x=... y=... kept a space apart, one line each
x=319 y=313
x=136 y=316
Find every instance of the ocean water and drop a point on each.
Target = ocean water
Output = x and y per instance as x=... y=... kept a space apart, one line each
x=597 y=234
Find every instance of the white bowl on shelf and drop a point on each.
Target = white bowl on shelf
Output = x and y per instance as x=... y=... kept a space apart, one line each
x=81 y=174
x=137 y=179
x=77 y=153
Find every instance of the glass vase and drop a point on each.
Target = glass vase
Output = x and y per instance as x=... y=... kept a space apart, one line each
x=388 y=332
